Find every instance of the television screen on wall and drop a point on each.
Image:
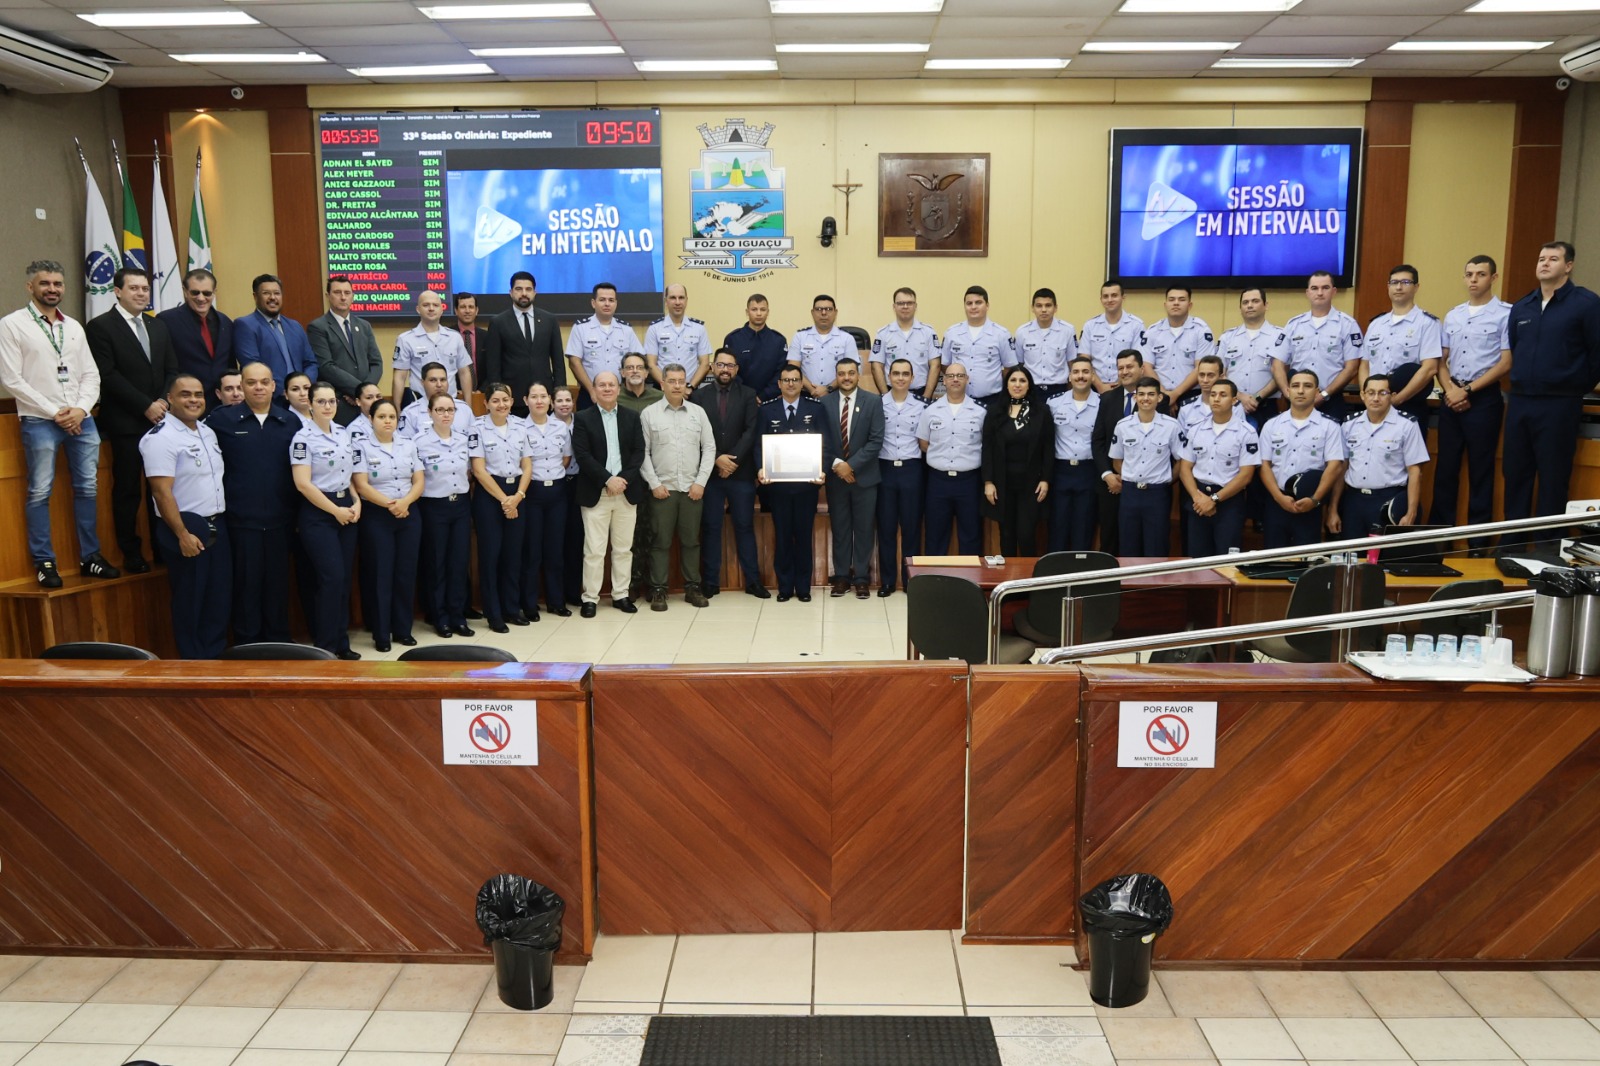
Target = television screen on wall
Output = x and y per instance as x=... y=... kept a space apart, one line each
x=1218 y=208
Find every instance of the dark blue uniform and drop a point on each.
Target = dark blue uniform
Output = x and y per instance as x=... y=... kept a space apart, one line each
x=261 y=509
x=762 y=354
x=794 y=505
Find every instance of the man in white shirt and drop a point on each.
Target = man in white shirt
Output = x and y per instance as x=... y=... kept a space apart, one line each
x=45 y=363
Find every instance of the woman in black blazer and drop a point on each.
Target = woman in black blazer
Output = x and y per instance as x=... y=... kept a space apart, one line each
x=1018 y=461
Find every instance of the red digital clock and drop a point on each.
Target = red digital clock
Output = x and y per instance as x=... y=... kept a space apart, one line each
x=361 y=135
x=615 y=133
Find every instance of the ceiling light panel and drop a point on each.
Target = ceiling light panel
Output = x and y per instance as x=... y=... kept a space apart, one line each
x=1205 y=7
x=1469 y=46
x=444 y=12
x=705 y=66
x=552 y=50
x=150 y=20
x=996 y=64
x=425 y=70
x=852 y=48
x=1283 y=63
x=1161 y=46
x=857 y=7
x=230 y=58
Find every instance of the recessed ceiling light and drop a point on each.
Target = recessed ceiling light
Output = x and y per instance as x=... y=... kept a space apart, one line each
x=856 y=7
x=995 y=64
x=552 y=50
x=227 y=58
x=440 y=12
x=435 y=70
x=709 y=66
x=1531 y=7
x=1161 y=46
x=824 y=49
x=1204 y=7
x=152 y=20
x=1469 y=46
x=1264 y=63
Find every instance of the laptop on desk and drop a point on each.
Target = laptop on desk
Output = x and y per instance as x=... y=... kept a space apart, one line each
x=1415 y=560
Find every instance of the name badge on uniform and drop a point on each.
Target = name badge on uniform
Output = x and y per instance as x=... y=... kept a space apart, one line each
x=63 y=375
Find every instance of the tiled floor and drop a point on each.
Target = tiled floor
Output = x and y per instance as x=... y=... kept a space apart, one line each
x=103 y=1012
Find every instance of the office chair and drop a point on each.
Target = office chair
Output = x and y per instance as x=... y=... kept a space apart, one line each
x=267 y=651
x=948 y=618
x=456 y=653
x=96 y=649
x=1313 y=595
x=1100 y=604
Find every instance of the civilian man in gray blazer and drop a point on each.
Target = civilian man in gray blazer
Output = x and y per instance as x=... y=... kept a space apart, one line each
x=347 y=352
x=852 y=435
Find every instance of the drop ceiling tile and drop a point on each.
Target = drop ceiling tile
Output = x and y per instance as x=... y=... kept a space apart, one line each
x=1312 y=46
x=127 y=77
x=996 y=47
x=384 y=13
x=1441 y=62
x=373 y=55
x=918 y=28
x=1019 y=28
x=1536 y=63
x=1327 y=26
x=698 y=49
x=1348 y=8
x=812 y=66
x=731 y=30
x=212 y=39
x=1518 y=27
x=575 y=68
x=679 y=10
x=1076 y=9
x=325 y=37
x=1177 y=27
x=545 y=33
x=1164 y=64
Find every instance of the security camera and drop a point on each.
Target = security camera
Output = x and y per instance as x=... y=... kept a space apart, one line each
x=1563 y=84
x=830 y=230
x=236 y=92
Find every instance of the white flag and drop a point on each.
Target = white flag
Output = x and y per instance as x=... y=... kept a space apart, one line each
x=101 y=255
x=199 y=231
x=166 y=280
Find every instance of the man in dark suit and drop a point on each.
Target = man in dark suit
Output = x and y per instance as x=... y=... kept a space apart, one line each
x=523 y=345
x=852 y=436
x=134 y=355
x=269 y=336
x=347 y=352
x=473 y=336
x=202 y=336
x=731 y=407
x=610 y=489
x=1116 y=403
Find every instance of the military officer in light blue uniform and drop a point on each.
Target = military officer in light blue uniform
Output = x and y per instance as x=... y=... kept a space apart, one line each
x=1325 y=341
x=1113 y=330
x=1216 y=463
x=502 y=465
x=1176 y=343
x=1302 y=465
x=323 y=461
x=388 y=478
x=1383 y=483
x=183 y=466
x=676 y=338
x=1404 y=344
x=818 y=348
x=430 y=342
x=1075 y=503
x=983 y=348
x=414 y=415
x=1143 y=448
x=1207 y=372
x=1046 y=345
x=1477 y=355
x=950 y=433
x=1247 y=352
x=908 y=338
x=544 y=551
x=446 y=456
x=597 y=344
x=902 y=477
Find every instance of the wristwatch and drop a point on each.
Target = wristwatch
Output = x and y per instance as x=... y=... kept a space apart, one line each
x=1324 y=393
x=1215 y=498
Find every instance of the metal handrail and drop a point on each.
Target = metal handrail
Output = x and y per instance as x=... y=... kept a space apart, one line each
x=1316 y=623
x=1261 y=555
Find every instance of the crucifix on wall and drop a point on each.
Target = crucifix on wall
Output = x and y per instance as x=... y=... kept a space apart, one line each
x=847 y=187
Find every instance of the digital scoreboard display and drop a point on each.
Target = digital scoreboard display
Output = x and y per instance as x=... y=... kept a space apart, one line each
x=1220 y=208
x=459 y=201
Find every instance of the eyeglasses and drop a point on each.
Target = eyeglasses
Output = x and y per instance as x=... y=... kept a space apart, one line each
x=726 y=366
x=1402 y=282
x=208 y=292
x=326 y=401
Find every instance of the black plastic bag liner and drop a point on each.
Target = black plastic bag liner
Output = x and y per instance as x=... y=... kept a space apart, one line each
x=519 y=911
x=1560 y=581
x=1127 y=906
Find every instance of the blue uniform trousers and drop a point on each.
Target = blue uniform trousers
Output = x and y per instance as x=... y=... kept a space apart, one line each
x=1473 y=435
x=572 y=546
x=901 y=488
x=739 y=497
x=389 y=549
x=1074 y=505
x=1215 y=534
x=201 y=586
x=1362 y=509
x=794 y=510
x=954 y=496
x=447 y=538
x=1145 y=518
x=500 y=543
x=1285 y=530
x=1541 y=438
x=544 y=545
x=260 y=582
x=331 y=551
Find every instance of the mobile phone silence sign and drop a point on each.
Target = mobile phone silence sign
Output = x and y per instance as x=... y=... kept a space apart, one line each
x=459 y=201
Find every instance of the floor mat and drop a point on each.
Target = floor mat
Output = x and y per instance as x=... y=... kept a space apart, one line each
x=827 y=1040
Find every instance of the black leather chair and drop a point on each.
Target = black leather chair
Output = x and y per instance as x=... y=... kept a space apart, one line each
x=96 y=649
x=267 y=651
x=948 y=618
x=456 y=653
x=1461 y=624
x=1100 y=604
x=1313 y=595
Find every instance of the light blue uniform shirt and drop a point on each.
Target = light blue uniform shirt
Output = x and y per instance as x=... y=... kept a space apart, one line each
x=329 y=455
x=1322 y=345
x=1247 y=357
x=985 y=353
x=414 y=418
x=1197 y=411
x=445 y=463
x=1146 y=450
x=1220 y=452
x=1295 y=447
x=954 y=434
x=416 y=348
x=1404 y=341
x=901 y=422
x=684 y=345
x=1101 y=341
x=191 y=458
x=388 y=467
x=360 y=429
x=1380 y=454
x=1074 y=422
x=918 y=347
x=548 y=444
x=1046 y=352
x=601 y=348
x=1475 y=341
x=819 y=355
x=500 y=447
x=1174 y=352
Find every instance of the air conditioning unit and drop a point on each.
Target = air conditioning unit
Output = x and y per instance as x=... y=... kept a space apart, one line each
x=34 y=66
x=1583 y=63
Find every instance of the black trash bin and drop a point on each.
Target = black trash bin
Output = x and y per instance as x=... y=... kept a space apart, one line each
x=521 y=920
x=1123 y=917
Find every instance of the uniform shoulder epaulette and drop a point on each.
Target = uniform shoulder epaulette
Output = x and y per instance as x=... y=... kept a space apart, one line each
x=157 y=428
x=1404 y=414
x=698 y=321
x=1429 y=314
x=619 y=321
x=585 y=318
x=658 y=321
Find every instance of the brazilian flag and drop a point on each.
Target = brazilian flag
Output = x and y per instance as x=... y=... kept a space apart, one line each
x=133 y=254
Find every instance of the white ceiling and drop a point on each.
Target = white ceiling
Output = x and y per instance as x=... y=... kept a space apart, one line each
x=356 y=33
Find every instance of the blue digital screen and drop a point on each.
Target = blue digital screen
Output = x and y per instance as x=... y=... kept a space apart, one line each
x=1220 y=207
x=569 y=228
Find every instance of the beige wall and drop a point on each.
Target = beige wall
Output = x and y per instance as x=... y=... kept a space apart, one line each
x=236 y=184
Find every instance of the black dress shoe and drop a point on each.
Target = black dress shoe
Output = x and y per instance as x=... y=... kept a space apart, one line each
x=380 y=645
x=885 y=591
x=587 y=610
x=533 y=616
x=520 y=619
x=444 y=631
x=559 y=612
x=499 y=627
x=625 y=605
x=406 y=641
x=757 y=591
x=464 y=630
x=709 y=591
x=135 y=564
x=349 y=656
x=803 y=597
x=473 y=614
x=785 y=597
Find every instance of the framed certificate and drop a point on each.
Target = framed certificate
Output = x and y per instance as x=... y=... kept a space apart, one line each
x=791 y=456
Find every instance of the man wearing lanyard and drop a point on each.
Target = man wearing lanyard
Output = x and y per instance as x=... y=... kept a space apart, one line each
x=680 y=450
x=1383 y=483
x=902 y=478
x=268 y=336
x=1046 y=345
x=1477 y=354
x=1302 y=461
x=45 y=363
x=1074 y=504
x=1216 y=462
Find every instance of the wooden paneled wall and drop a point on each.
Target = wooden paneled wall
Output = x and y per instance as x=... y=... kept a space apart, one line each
x=278 y=809
x=789 y=799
